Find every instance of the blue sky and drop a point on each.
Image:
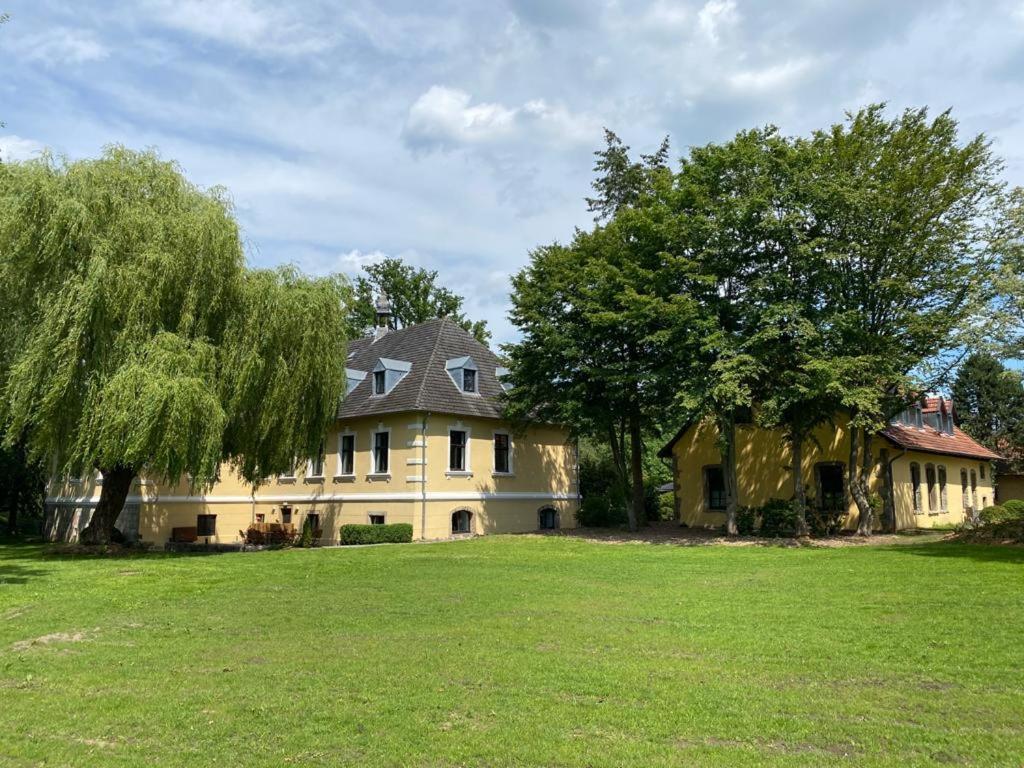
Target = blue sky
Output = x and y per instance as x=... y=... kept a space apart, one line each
x=459 y=135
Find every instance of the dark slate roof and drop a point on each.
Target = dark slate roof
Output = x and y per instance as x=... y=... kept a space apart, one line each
x=427 y=387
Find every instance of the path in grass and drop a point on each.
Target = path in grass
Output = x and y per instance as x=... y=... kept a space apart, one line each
x=515 y=651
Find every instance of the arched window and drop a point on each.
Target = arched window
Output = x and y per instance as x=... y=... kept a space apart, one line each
x=963 y=490
x=915 y=482
x=933 y=490
x=548 y=519
x=943 y=498
x=462 y=521
x=974 y=489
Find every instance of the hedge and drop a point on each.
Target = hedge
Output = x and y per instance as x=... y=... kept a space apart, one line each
x=396 y=533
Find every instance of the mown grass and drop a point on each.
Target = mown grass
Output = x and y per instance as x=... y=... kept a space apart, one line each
x=515 y=651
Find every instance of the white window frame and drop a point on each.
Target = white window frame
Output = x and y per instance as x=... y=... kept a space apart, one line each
x=467 y=455
x=511 y=471
x=341 y=435
x=373 y=452
x=290 y=477
x=310 y=474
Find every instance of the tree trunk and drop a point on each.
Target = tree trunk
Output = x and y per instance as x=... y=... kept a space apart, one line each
x=888 y=499
x=727 y=445
x=796 y=450
x=864 y=527
x=636 y=467
x=117 y=481
x=12 y=517
x=857 y=490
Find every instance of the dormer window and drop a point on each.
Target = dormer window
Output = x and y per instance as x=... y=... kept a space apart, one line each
x=352 y=379
x=387 y=373
x=502 y=375
x=462 y=371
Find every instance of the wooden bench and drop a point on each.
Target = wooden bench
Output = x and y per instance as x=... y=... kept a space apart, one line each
x=184 y=535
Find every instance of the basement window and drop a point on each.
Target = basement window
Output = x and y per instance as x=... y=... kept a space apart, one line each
x=206 y=525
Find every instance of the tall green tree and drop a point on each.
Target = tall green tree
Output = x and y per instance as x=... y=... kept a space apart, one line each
x=141 y=345
x=907 y=213
x=735 y=212
x=603 y=321
x=989 y=400
x=415 y=297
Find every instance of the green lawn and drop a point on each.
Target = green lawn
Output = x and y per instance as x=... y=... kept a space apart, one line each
x=515 y=651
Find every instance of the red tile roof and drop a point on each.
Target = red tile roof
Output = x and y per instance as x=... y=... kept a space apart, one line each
x=931 y=440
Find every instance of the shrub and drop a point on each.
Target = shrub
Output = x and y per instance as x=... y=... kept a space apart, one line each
x=598 y=512
x=394 y=533
x=271 y=535
x=778 y=518
x=310 y=534
x=994 y=515
x=747 y=519
x=822 y=522
x=667 y=506
x=1015 y=507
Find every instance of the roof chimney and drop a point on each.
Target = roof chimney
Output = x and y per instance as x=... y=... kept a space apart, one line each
x=383 y=309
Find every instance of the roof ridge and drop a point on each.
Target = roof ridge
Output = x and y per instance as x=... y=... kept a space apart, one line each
x=430 y=363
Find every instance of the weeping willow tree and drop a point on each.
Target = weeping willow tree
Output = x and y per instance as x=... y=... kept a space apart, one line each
x=139 y=343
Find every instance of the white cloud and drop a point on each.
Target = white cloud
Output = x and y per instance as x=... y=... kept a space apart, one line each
x=60 y=46
x=446 y=117
x=771 y=78
x=13 y=148
x=352 y=262
x=715 y=16
x=307 y=112
x=243 y=24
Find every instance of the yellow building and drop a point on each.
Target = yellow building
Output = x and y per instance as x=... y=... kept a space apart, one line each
x=935 y=473
x=418 y=439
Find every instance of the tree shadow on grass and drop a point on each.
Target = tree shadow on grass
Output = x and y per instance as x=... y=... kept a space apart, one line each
x=19 y=574
x=987 y=553
x=35 y=550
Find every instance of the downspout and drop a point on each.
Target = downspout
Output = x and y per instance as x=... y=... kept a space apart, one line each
x=576 y=470
x=423 y=477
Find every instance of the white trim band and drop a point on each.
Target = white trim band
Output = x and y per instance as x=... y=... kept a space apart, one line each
x=293 y=499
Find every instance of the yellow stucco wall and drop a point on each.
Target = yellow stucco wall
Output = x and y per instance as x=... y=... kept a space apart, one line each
x=764 y=472
x=1009 y=487
x=543 y=473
